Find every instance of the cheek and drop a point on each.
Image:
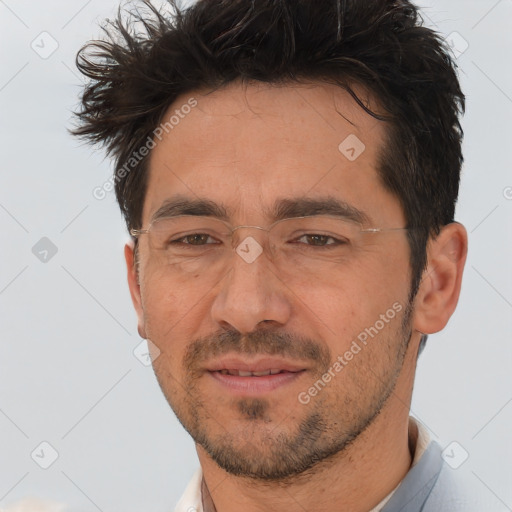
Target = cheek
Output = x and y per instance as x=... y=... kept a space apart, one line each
x=174 y=313
x=355 y=297
x=164 y=302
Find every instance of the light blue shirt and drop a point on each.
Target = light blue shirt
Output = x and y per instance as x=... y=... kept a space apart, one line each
x=433 y=486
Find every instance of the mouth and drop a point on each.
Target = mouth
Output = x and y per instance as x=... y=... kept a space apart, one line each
x=263 y=373
x=253 y=378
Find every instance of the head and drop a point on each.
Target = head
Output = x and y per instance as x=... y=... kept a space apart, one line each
x=246 y=110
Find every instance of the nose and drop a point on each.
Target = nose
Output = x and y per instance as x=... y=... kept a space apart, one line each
x=251 y=292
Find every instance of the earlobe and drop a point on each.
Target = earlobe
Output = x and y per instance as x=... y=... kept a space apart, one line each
x=134 y=286
x=439 y=290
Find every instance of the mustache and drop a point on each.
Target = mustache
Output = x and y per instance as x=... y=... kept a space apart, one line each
x=261 y=342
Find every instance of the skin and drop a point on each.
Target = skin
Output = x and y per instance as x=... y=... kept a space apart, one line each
x=245 y=146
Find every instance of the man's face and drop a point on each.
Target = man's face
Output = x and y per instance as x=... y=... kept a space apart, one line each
x=248 y=150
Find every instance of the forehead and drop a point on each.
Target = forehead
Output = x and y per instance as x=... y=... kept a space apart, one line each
x=245 y=145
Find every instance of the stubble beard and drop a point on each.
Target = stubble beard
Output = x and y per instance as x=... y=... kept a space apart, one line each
x=266 y=451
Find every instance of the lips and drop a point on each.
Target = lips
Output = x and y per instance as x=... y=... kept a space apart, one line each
x=241 y=373
x=254 y=378
x=256 y=368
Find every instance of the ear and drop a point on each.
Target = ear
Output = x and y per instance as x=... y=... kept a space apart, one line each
x=133 y=284
x=439 y=289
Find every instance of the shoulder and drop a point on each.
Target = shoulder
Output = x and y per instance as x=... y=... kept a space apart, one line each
x=432 y=485
x=457 y=490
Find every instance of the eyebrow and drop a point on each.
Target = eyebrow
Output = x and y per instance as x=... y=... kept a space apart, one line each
x=283 y=208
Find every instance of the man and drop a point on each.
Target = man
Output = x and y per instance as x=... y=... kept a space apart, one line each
x=288 y=171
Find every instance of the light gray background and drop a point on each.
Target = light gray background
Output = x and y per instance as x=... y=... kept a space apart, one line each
x=68 y=375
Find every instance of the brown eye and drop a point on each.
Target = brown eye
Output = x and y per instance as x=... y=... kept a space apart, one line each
x=319 y=240
x=196 y=239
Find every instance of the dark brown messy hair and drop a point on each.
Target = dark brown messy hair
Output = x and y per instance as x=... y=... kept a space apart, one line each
x=148 y=58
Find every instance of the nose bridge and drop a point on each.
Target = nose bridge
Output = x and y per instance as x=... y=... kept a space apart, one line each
x=240 y=233
x=250 y=242
x=250 y=292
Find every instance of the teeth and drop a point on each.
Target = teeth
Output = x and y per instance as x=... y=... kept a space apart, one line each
x=260 y=374
x=241 y=373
